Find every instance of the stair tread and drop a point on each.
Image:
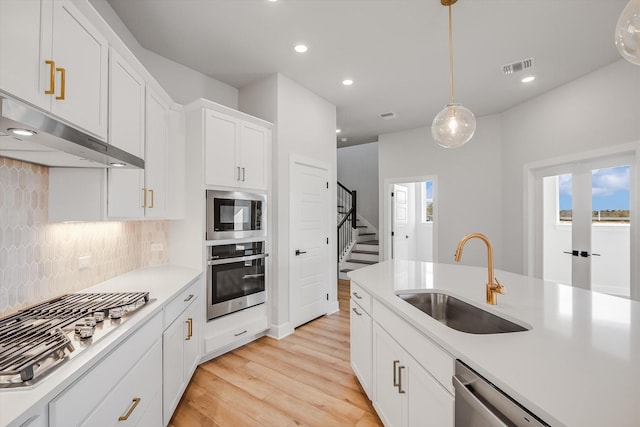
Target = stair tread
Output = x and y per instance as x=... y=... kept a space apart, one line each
x=361 y=261
x=367 y=234
x=346 y=270
x=361 y=226
x=360 y=251
x=369 y=242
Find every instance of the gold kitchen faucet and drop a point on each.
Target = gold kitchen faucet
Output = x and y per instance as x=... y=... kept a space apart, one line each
x=493 y=289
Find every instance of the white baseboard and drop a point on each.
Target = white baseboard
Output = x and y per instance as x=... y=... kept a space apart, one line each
x=280 y=331
x=334 y=307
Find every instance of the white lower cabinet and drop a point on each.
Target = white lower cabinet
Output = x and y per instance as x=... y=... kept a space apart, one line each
x=123 y=383
x=181 y=349
x=361 y=344
x=404 y=393
x=135 y=399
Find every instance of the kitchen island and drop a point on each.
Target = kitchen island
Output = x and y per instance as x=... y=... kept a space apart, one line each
x=578 y=365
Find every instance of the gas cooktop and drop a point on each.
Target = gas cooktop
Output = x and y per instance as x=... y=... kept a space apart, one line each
x=36 y=340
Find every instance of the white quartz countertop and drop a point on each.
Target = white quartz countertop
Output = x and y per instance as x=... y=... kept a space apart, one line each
x=579 y=365
x=163 y=283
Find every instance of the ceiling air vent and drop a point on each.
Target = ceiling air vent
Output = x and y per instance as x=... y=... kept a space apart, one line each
x=387 y=116
x=516 y=67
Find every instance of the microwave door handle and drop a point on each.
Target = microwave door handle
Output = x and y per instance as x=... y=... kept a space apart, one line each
x=237 y=259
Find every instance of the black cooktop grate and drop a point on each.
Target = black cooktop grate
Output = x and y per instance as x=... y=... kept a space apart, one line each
x=33 y=334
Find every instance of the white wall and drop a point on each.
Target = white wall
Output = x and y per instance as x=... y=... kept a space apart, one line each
x=183 y=84
x=598 y=110
x=468 y=179
x=304 y=126
x=358 y=170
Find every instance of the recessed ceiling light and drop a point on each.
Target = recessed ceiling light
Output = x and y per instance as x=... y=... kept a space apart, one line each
x=347 y=82
x=301 y=48
x=117 y=164
x=528 y=79
x=21 y=132
x=338 y=130
x=343 y=139
x=272 y=1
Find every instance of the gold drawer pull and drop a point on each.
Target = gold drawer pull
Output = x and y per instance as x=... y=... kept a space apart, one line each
x=62 y=83
x=240 y=333
x=132 y=408
x=144 y=195
x=152 y=199
x=189 y=323
x=52 y=77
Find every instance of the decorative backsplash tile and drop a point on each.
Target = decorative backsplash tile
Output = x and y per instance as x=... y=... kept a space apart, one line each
x=41 y=260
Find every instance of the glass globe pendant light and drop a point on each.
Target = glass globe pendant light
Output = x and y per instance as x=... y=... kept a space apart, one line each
x=628 y=32
x=454 y=125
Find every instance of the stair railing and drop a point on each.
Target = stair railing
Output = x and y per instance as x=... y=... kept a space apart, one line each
x=346 y=219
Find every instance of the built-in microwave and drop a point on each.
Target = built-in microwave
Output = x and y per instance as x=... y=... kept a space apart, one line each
x=235 y=215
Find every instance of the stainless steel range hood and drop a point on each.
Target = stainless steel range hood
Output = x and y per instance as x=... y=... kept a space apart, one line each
x=54 y=143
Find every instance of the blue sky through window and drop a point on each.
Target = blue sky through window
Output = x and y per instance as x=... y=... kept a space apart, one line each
x=610 y=189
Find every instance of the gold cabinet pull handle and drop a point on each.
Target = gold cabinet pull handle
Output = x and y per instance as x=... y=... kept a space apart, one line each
x=189 y=323
x=52 y=77
x=152 y=199
x=62 y=83
x=144 y=195
x=125 y=417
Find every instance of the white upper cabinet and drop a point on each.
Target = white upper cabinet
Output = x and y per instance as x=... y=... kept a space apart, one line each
x=126 y=106
x=134 y=194
x=51 y=56
x=236 y=152
x=155 y=172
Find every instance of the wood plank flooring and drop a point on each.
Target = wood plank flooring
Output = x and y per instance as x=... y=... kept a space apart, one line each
x=304 y=379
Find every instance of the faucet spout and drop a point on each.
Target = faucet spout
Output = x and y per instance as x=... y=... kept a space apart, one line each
x=494 y=287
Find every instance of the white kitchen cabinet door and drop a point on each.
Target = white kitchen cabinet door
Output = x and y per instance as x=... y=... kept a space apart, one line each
x=387 y=399
x=52 y=57
x=23 y=74
x=405 y=394
x=155 y=170
x=361 y=346
x=192 y=345
x=426 y=402
x=173 y=361
x=81 y=56
x=222 y=133
x=181 y=353
x=134 y=397
x=135 y=194
x=126 y=106
x=253 y=155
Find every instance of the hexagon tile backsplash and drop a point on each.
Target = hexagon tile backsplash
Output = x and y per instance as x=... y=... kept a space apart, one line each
x=41 y=260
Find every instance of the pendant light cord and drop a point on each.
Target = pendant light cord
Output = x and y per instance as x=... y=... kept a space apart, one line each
x=451 y=55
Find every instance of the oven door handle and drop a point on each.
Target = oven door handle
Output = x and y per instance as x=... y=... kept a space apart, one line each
x=236 y=259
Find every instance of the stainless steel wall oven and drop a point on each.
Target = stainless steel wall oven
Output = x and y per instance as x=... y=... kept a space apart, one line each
x=235 y=277
x=235 y=215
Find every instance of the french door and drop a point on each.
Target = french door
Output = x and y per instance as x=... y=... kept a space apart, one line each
x=584 y=222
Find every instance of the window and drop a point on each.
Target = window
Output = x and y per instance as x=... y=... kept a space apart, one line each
x=427 y=202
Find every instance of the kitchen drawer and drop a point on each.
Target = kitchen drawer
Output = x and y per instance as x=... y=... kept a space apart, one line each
x=73 y=405
x=362 y=297
x=236 y=333
x=427 y=353
x=134 y=396
x=180 y=303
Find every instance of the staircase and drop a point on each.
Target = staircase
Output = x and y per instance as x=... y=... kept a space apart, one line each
x=358 y=244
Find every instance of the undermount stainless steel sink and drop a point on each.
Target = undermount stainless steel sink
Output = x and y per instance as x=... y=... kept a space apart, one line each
x=458 y=314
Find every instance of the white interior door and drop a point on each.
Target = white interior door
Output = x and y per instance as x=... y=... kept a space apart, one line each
x=309 y=260
x=401 y=222
x=586 y=224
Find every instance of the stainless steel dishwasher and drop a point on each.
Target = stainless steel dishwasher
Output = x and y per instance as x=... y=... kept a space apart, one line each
x=481 y=404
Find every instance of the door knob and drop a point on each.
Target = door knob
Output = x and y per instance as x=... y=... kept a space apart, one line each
x=299 y=252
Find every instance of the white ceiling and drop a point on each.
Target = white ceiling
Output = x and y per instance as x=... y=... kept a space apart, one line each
x=396 y=51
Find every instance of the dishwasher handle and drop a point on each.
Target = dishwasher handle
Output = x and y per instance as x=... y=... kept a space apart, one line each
x=479 y=408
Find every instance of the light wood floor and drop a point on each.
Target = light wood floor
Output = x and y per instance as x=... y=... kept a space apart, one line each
x=304 y=379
